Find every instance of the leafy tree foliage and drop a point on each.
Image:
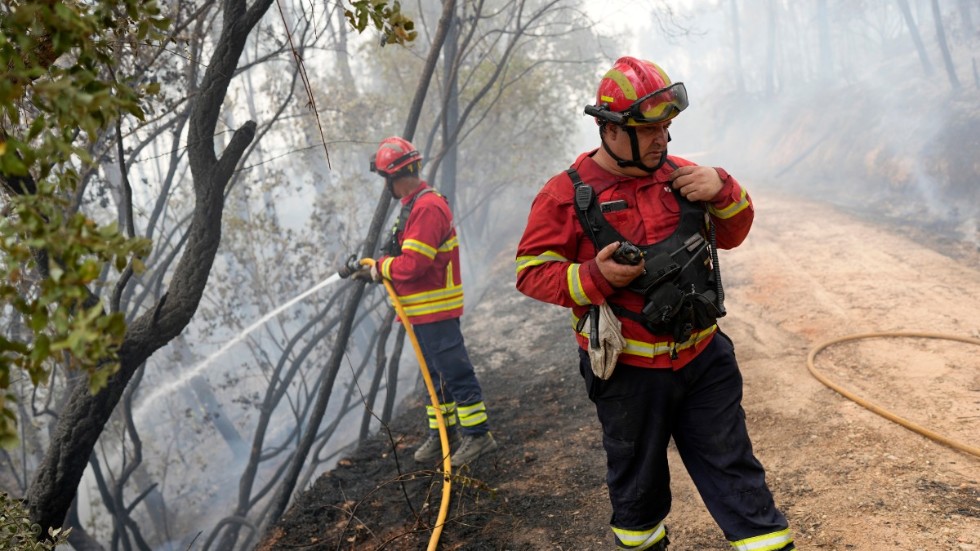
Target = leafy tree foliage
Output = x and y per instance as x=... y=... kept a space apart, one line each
x=57 y=93
x=18 y=532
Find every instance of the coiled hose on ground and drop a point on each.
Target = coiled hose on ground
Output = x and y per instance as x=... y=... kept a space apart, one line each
x=875 y=407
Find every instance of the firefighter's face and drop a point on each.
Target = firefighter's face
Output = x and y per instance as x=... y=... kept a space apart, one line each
x=651 y=139
x=401 y=186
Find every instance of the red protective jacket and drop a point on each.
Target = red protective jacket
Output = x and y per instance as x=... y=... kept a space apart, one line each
x=426 y=275
x=556 y=259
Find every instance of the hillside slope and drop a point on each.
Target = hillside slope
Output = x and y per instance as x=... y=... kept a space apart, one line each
x=845 y=477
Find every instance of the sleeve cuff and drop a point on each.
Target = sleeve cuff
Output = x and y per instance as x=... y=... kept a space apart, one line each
x=726 y=185
x=598 y=281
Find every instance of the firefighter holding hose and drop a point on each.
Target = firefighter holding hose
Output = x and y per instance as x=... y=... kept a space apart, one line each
x=421 y=260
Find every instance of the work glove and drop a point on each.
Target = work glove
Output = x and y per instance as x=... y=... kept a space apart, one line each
x=608 y=342
x=368 y=274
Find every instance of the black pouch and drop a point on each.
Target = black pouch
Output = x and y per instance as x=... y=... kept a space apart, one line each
x=704 y=311
x=662 y=305
x=657 y=269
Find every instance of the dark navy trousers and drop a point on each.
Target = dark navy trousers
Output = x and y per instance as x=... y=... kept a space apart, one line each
x=450 y=367
x=699 y=406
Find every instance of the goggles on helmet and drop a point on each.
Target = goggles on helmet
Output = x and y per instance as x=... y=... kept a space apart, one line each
x=652 y=108
x=657 y=106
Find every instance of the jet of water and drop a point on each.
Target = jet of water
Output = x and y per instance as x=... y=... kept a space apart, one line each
x=186 y=376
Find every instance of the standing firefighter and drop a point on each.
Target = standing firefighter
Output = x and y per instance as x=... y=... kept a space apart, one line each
x=627 y=239
x=421 y=259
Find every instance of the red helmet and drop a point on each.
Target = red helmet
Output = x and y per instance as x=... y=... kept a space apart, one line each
x=637 y=92
x=396 y=155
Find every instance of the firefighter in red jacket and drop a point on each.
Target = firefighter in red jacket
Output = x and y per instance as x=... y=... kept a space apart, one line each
x=627 y=239
x=421 y=259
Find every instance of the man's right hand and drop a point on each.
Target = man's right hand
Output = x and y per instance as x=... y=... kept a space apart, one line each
x=618 y=275
x=368 y=274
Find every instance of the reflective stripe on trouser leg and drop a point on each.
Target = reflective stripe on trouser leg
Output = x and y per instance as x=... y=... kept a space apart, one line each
x=776 y=541
x=472 y=415
x=713 y=441
x=448 y=413
x=450 y=367
x=639 y=539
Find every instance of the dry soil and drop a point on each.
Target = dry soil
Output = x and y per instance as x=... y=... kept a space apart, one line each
x=847 y=478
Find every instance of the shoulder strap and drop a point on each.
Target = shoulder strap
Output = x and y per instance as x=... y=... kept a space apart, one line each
x=407 y=210
x=390 y=247
x=589 y=216
x=713 y=242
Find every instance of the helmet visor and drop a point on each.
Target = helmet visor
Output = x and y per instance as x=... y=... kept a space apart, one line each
x=658 y=106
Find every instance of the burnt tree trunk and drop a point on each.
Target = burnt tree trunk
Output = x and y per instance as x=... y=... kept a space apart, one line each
x=450 y=122
x=937 y=16
x=914 y=33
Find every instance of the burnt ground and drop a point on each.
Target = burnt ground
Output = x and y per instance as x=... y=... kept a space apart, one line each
x=846 y=478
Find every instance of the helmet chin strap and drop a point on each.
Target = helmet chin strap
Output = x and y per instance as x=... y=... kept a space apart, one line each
x=635 y=147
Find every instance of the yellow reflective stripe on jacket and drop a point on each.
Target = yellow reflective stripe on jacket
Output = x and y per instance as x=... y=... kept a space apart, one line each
x=731 y=210
x=434 y=307
x=449 y=244
x=651 y=349
x=432 y=296
x=765 y=542
x=422 y=248
x=449 y=275
x=431 y=302
x=529 y=261
x=648 y=349
x=575 y=289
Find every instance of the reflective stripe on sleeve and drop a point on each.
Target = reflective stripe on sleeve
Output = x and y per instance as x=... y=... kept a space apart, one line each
x=386 y=268
x=731 y=210
x=575 y=289
x=449 y=245
x=423 y=249
x=529 y=261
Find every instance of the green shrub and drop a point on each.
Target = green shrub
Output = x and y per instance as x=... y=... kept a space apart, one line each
x=17 y=531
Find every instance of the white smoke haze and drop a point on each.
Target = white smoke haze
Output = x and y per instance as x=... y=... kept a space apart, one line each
x=859 y=124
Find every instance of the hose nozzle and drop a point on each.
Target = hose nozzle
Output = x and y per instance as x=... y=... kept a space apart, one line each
x=350 y=266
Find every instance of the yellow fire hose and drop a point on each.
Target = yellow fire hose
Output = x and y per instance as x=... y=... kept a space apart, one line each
x=443 y=433
x=878 y=409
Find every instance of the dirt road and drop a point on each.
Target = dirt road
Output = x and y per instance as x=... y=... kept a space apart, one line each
x=846 y=478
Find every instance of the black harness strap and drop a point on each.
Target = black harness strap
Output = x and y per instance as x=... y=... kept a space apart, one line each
x=391 y=248
x=680 y=301
x=589 y=215
x=719 y=290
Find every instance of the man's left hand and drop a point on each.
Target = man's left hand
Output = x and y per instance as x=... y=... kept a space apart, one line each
x=696 y=183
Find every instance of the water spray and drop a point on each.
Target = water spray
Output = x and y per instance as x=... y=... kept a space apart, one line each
x=186 y=376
